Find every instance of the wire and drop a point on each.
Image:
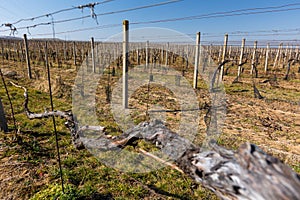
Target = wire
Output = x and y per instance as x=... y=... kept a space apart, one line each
x=62 y=10
x=95 y=15
x=79 y=30
x=249 y=11
x=206 y=35
x=197 y=17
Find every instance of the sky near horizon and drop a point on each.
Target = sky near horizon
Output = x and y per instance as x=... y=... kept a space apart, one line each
x=213 y=18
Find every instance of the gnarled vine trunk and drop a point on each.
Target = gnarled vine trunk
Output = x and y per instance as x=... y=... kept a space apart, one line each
x=247 y=173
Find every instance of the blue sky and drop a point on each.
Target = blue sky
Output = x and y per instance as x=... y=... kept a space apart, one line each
x=212 y=29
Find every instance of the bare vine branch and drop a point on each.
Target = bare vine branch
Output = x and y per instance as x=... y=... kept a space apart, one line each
x=248 y=173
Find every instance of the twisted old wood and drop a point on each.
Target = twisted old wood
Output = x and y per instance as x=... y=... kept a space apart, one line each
x=67 y=115
x=247 y=173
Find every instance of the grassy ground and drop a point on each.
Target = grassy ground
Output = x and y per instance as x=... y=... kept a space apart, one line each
x=28 y=161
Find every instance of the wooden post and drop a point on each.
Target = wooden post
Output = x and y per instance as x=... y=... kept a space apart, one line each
x=290 y=52
x=210 y=54
x=93 y=54
x=167 y=49
x=27 y=56
x=219 y=54
x=125 y=63
x=197 y=52
x=137 y=56
x=46 y=55
x=74 y=53
x=297 y=53
x=277 y=55
x=151 y=61
x=3 y=123
x=267 y=58
x=253 y=62
x=147 y=54
x=223 y=57
x=161 y=55
x=82 y=53
x=285 y=55
x=241 y=57
x=230 y=51
x=65 y=51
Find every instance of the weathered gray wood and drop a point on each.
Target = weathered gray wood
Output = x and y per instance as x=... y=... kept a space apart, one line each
x=27 y=57
x=253 y=60
x=223 y=57
x=65 y=50
x=3 y=122
x=277 y=55
x=67 y=115
x=247 y=173
x=74 y=53
x=125 y=62
x=147 y=55
x=297 y=53
x=241 y=58
x=290 y=61
x=285 y=54
x=196 y=66
x=290 y=52
x=267 y=57
x=167 y=55
x=93 y=54
x=220 y=54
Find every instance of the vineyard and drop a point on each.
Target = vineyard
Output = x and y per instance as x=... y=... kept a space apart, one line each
x=261 y=93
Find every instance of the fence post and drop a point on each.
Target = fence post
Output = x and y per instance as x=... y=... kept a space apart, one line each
x=223 y=57
x=27 y=56
x=253 y=57
x=167 y=56
x=267 y=58
x=285 y=55
x=241 y=57
x=74 y=53
x=297 y=53
x=93 y=54
x=196 y=60
x=138 y=56
x=277 y=55
x=125 y=63
x=147 y=55
x=65 y=51
x=3 y=123
x=290 y=52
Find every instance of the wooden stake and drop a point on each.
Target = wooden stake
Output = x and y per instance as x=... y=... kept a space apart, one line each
x=267 y=58
x=125 y=63
x=223 y=57
x=253 y=62
x=65 y=51
x=277 y=55
x=74 y=53
x=197 y=52
x=167 y=56
x=147 y=54
x=27 y=56
x=241 y=57
x=93 y=54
